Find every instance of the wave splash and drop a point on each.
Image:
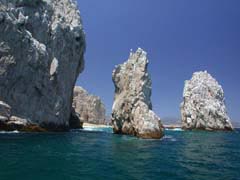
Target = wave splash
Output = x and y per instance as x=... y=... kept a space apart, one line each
x=174 y=129
x=9 y=132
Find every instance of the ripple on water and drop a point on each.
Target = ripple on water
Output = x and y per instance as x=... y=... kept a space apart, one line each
x=169 y=138
x=99 y=155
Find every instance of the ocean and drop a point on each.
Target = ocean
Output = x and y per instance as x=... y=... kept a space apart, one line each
x=98 y=154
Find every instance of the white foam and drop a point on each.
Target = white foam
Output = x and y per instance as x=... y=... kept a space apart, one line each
x=175 y=129
x=91 y=129
x=9 y=132
x=96 y=129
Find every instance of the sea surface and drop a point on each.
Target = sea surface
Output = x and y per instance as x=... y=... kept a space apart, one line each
x=98 y=154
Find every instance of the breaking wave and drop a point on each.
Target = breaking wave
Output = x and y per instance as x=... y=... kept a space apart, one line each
x=175 y=129
x=9 y=132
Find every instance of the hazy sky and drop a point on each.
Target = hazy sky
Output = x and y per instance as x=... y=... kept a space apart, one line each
x=180 y=36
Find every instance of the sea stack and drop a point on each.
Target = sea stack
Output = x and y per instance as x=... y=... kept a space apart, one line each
x=42 y=46
x=88 y=108
x=132 y=109
x=203 y=105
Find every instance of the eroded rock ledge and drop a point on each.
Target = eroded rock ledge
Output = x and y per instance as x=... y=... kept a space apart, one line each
x=88 y=108
x=203 y=106
x=131 y=113
x=8 y=122
x=42 y=44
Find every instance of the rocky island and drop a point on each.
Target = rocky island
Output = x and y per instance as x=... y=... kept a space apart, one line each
x=203 y=105
x=42 y=46
x=132 y=108
x=89 y=108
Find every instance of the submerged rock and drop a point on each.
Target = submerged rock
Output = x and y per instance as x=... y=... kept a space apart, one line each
x=42 y=44
x=88 y=108
x=203 y=106
x=132 y=109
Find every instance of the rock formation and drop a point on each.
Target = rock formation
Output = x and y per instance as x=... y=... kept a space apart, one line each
x=89 y=108
x=203 y=106
x=132 y=114
x=42 y=44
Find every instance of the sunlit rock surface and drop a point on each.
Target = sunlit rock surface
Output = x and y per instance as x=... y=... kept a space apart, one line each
x=132 y=109
x=203 y=105
x=42 y=44
x=88 y=108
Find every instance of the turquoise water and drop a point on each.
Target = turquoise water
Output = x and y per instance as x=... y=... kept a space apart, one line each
x=80 y=155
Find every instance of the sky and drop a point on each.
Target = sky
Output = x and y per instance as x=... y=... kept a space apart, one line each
x=180 y=37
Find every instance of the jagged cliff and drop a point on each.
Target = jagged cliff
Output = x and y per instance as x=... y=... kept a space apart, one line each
x=88 y=108
x=203 y=106
x=42 y=45
x=131 y=113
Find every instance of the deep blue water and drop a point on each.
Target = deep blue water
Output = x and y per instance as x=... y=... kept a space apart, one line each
x=102 y=155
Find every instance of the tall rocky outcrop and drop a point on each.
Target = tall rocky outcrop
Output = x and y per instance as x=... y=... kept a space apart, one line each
x=132 y=109
x=88 y=108
x=42 y=45
x=203 y=106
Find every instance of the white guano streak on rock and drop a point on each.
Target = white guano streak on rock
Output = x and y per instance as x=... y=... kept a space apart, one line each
x=54 y=66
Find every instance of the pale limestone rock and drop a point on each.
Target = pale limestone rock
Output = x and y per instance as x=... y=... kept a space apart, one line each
x=88 y=108
x=18 y=121
x=203 y=106
x=11 y=123
x=5 y=110
x=42 y=44
x=132 y=108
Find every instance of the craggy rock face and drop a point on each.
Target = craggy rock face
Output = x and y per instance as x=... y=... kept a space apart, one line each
x=42 y=44
x=132 y=106
x=203 y=106
x=88 y=108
